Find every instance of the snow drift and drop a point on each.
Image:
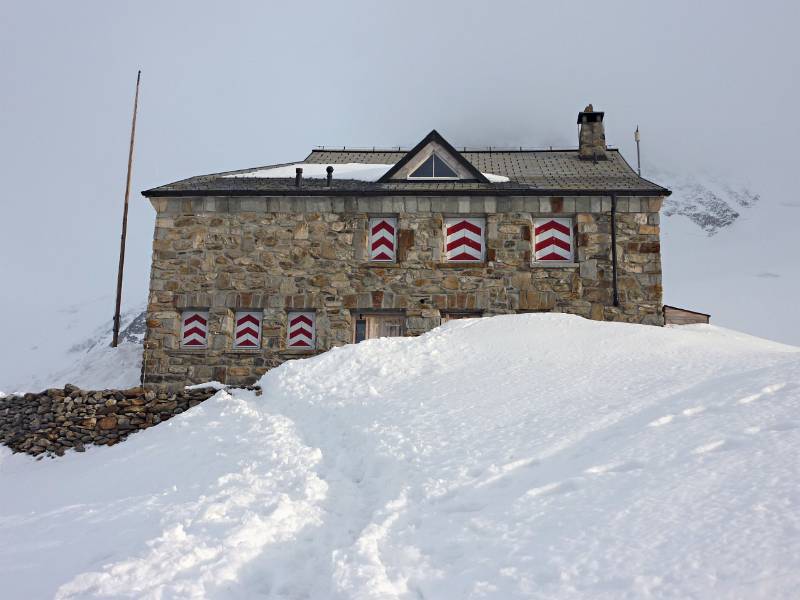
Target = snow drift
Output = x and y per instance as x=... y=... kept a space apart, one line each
x=529 y=456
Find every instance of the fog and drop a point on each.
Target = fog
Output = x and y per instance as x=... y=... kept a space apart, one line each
x=712 y=86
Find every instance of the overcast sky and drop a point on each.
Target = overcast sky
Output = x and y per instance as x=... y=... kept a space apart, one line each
x=228 y=85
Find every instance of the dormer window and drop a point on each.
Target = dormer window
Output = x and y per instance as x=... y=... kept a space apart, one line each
x=433 y=167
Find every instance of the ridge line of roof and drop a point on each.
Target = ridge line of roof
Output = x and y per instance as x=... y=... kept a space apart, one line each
x=487 y=150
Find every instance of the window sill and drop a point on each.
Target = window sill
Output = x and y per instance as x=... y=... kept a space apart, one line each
x=244 y=350
x=299 y=351
x=192 y=350
x=555 y=264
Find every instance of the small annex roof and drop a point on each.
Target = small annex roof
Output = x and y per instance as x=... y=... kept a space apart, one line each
x=379 y=172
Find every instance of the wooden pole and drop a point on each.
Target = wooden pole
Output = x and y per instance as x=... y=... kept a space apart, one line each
x=115 y=339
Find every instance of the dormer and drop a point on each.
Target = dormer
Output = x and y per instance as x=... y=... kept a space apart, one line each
x=433 y=159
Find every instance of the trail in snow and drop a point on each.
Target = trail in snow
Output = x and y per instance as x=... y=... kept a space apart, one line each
x=530 y=456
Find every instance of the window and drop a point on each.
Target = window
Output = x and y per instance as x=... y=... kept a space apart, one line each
x=194 y=329
x=464 y=239
x=247 y=330
x=553 y=240
x=434 y=168
x=367 y=327
x=301 y=332
x=383 y=239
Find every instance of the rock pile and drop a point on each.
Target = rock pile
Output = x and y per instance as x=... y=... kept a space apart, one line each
x=56 y=420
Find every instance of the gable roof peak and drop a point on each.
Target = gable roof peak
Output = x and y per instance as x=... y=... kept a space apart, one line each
x=434 y=137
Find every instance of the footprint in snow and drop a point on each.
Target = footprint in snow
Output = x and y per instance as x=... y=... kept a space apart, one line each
x=718 y=445
x=689 y=412
x=770 y=389
x=661 y=421
x=619 y=467
x=552 y=489
x=710 y=447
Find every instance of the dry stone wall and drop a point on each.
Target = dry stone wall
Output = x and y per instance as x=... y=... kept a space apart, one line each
x=56 y=420
x=278 y=254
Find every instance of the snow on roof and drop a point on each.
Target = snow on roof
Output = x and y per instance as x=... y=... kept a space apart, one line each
x=355 y=171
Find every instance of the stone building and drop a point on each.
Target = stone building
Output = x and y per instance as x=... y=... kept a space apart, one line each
x=254 y=267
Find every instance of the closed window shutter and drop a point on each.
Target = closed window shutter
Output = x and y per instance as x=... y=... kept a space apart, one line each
x=465 y=239
x=301 y=330
x=247 y=330
x=383 y=239
x=553 y=240
x=194 y=329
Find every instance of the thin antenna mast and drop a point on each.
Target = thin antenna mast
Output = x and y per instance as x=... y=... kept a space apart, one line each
x=638 y=156
x=115 y=339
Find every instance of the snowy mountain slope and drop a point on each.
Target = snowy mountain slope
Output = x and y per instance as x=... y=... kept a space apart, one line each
x=707 y=201
x=77 y=349
x=729 y=252
x=529 y=456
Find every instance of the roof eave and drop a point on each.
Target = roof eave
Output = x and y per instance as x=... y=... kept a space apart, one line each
x=161 y=193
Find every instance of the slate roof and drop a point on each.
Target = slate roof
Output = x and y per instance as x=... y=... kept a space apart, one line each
x=530 y=172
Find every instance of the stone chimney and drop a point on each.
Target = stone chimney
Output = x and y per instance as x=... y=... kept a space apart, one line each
x=592 y=137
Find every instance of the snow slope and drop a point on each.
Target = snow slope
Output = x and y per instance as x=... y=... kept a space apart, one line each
x=528 y=456
x=75 y=348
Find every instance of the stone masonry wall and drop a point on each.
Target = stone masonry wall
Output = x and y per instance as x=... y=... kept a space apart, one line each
x=279 y=254
x=56 y=420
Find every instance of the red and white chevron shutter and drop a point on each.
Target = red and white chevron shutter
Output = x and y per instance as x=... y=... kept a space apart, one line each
x=301 y=332
x=247 y=330
x=465 y=239
x=382 y=239
x=553 y=239
x=194 y=329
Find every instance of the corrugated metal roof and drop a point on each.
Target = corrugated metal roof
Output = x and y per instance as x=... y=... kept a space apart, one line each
x=530 y=172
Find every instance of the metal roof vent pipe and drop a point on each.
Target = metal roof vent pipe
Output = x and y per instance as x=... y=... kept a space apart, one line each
x=329 y=171
x=298 y=177
x=592 y=135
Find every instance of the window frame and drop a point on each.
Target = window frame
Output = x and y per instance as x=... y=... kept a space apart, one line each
x=431 y=156
x=366 y=316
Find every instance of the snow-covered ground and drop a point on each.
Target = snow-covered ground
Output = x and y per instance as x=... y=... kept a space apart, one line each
x=529 y=456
